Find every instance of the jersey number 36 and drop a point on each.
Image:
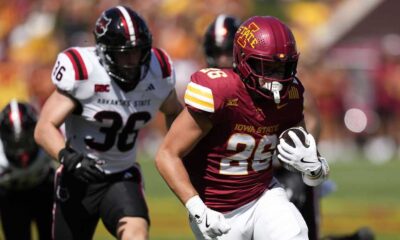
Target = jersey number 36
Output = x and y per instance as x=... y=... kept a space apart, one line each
x=116 y=132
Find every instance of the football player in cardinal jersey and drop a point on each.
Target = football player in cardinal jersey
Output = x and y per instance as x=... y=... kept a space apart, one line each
x=26 y=175
x=105 y=95
x=218 y=48
x=221 y=169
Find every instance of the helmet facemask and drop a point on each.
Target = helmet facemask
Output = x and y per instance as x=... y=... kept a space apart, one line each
x=20 y=149
x=270 y=76
x=17 y=124
x=126 y=65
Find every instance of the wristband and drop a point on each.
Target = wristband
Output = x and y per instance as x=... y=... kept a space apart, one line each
x=196 y=208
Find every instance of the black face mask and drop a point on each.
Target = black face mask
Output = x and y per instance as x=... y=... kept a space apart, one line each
x=20 y=151
x=127 y=66
x=271 y=69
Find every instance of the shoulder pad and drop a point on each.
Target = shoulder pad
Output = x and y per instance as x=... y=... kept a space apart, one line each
x=71 y=73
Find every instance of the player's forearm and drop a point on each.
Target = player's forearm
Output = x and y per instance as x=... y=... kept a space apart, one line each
x=50 y=138
x=171 y=109
x=174 y=173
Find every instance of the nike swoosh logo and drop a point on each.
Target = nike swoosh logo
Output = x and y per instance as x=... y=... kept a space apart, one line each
x=302 y=160
x=281 y=106
x=207 y=224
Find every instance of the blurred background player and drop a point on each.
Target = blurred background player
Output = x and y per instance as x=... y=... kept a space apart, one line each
x=218 y=41
x=218 y=48
x=26 y=175
x=105 y=95
x=221 y=169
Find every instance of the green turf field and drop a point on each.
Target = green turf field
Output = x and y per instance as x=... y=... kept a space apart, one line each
x=367 y=195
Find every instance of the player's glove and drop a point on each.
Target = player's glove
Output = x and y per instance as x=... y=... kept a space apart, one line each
x=81 y=167
x=211 y=223
x=301 y=157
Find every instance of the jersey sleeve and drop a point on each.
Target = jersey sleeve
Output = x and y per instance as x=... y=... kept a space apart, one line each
x=166 y=66
x=202 y=95
x=71 y=73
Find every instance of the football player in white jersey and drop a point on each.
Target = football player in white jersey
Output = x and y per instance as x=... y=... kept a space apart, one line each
x=26 y=175
x=105 y=95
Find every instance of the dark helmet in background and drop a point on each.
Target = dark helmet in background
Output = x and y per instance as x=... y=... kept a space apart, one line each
x=17 y=125
x=265 y=56
x=218 y=39
x=123 y=43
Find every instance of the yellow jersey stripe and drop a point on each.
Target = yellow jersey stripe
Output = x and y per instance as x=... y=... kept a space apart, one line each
x=200 y=97
x=198 y=103
x=200 y=90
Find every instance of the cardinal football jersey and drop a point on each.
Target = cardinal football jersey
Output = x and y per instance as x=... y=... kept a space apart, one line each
x=231 y=165
x=106 y=121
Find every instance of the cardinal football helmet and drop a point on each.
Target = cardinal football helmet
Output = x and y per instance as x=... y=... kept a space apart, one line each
x=123 y=43
x=17 y=125
x=265 y=56
x=218 y=39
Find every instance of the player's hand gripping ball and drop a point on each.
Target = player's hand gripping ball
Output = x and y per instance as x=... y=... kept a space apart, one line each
x=294 y=157
x=300 y=132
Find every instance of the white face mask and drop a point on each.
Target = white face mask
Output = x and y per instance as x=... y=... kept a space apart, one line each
x=275 y=87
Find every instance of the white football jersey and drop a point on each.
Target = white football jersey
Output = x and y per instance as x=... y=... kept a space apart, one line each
x=106 y=122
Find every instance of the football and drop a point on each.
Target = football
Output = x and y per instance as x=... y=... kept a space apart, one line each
x=300 y=132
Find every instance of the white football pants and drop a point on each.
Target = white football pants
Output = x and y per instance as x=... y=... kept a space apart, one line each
x=271 y=217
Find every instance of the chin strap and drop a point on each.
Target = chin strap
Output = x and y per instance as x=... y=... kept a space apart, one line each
x=275 y=87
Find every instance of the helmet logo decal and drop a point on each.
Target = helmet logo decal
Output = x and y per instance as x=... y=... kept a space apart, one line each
x=102 y=25
x=247 y=35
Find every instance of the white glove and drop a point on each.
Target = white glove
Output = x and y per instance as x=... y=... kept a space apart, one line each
x=300 y=157
x=211 y=223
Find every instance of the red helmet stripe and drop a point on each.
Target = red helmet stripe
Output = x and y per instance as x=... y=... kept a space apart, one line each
x=126 y=30
x=78 y=64
x=164 y=62
x=128 y=24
